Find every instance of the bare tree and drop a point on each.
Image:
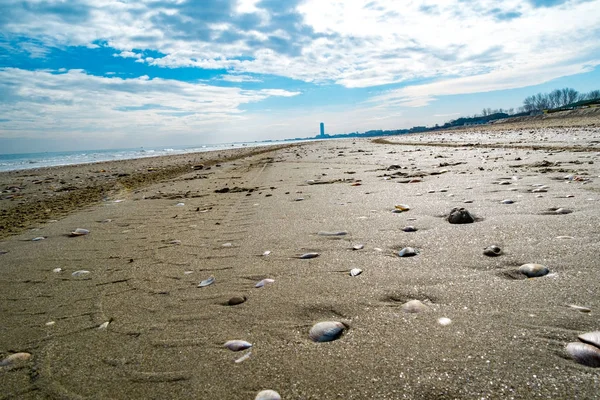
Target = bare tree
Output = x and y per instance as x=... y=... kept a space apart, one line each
x=569 y=96
x=593 y=95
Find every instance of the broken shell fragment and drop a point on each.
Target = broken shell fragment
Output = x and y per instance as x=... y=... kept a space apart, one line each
x=580 y=308
x=533 y=270
x=14 y=359
x=492 y=251
x=444 y=321
x=267 y=395
x=264 y=282
x=237 y=345
x=207 y=282
x=80 y=232
x=399 y=208
x=326 y=331
x=104 y=325
x=355 y=271
x=408 y=252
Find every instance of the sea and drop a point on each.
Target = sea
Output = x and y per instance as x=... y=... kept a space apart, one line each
x=13 y=162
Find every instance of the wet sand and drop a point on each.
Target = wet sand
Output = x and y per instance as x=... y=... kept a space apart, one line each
x=165 y=335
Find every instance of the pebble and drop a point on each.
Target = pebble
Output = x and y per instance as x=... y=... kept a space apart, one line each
x=409 y=228
x=326 y=331
x=237 y=345
x=355 y=271
x=414 y=306
x=264 y=282
x=408 y=252
x=492 y=251
x=358 y=247
x=533 y=270
x=14 y=359
x=444 y=321
x=267 y=395
x=460 y=216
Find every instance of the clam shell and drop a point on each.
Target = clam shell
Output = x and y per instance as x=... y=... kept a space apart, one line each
x=460 y=216
x=37 y=239
x=235 y=300
x=334 y=233
x=264 y=282
x=306 y=256
x=580 y=308
x=80 y=232
x=326 y=331
x=414 y=306
x=533 y=270
x=408 y=252
x=80 y=273
x=592 y=338
x=237 y=345
x=15 y=358
x=266 y=253
x=401 y=207
x=267 y=395
x=355 y=271
x=358 y=247
x=492 y=251
x=507 y=201
x=584 y=353
x=206 y=282
x=562 y=211
x=103 y=325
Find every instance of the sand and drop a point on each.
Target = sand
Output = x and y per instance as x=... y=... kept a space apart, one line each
x=165 y=336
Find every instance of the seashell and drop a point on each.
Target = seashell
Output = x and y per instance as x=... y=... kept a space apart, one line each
x=267 y=395
x=80 y=232
x=57 y=270
x=533 y=270
x=358 y=247
x=492 y=251
x=592 y=338
x=188 y=272
x=507 y=201
x=409 y=228
x=335 y=233
x=243 y=358
x=401 y=208
x=3 y=252
x=179 y=204
x=355 y=271
x=37 y=239
x=326 y=331
x=306 y=256
x=264 y=282
x=408 y=252
x=539 y=190
x=377 y=249
x=460 y=216
x=562 y=211
x=504 y=183
x=14 y=359
x=299 y=199
x=237 y=345
x=104 y=221
x=209 y=281
x=580 y=308
x=50 y=323
x=468 y=201
x=414 y=306
x=103 y=325
x=444 y=321
x=235 y=300
x=266 y=253
x=81 y=272
x=227 y=245
x=584 y=353
x=565 y=237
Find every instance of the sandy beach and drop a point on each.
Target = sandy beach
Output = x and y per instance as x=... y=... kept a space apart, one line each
x=136 y=325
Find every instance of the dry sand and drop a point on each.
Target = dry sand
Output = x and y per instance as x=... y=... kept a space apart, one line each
x=165 y=338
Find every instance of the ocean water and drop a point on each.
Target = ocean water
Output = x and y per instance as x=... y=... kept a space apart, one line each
x=12 y=162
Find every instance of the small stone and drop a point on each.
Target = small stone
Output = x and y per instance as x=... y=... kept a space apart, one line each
x=358 y=247
x=414 y=306
x=409 y=228
x=444 y=321
x=408 y=252
x=460 y=216
x=533 y=270
x=492 y=251
x=267 y=395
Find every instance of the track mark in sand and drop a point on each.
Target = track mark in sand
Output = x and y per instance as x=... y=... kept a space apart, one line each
x=174 y=376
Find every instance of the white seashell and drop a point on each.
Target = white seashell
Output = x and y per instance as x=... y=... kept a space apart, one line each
x=264 y=282
x=103 y=325
x=355 y=271
x=584 y=353
x=326 y=331
x=237 y=345
x=267 y=395
x=580 y=308
x=57 y=270
x=408 y=252
x=14 y=359
x=37 y=239
x=188 y=272
x=266 y=253
x=377 y=249
x=592 y=338
x=179 y=204
x=80 y=232
x=299 y=199
x=358 y=247
x=50 y=323
x=533 y=270
x=414 y=306
x=176 y=241
x=243 y=358
x=563 y=211
x=209 y=281
x=81 y=272
x=227 y=245
x=444 y=321
x=306 y=256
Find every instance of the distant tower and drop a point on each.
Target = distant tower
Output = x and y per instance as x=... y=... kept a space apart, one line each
x=322 y=129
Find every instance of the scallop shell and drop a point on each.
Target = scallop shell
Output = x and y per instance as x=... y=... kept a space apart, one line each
x=414 y=306
x=533 y=270
x=460 y=216
x=237 y=345
x=592 y=338
x=267 y=395
x=326 y=331
x=492 y=251
x=207 y=282
x=80 y=232
x=408 y=252
x=584 y=353
x=15 y=358
x=264 y=282
x=355 y=271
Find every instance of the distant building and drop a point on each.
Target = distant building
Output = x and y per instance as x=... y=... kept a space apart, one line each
x=322 y=129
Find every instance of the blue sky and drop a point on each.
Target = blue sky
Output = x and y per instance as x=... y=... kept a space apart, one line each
x=113 y=74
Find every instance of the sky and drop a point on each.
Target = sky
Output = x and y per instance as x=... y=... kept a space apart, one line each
x=98 y=74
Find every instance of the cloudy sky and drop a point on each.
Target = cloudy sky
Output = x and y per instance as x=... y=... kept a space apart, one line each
x=95 y=74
